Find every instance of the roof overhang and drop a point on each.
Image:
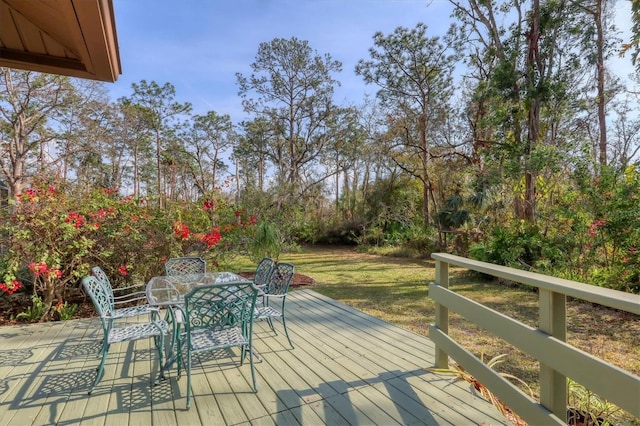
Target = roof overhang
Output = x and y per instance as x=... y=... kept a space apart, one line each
x=76 y=38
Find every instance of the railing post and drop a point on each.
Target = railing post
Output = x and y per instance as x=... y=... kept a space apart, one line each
x=442 y=312
x=553 y=321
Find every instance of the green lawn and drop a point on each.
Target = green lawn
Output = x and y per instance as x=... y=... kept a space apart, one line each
x=395 y=289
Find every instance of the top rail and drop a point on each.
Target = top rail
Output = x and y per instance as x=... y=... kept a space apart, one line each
x=603 y=296
x=546 y=343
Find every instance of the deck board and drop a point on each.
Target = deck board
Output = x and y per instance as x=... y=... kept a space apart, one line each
x=347 y=368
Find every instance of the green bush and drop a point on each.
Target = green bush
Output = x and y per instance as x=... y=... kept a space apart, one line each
x=58 y=236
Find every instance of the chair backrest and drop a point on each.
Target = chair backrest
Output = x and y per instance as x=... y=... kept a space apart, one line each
x=101 y=276
x=185 y=266
x=263 y=271
x=280 y=279
x=219 y=306
x=99 y=296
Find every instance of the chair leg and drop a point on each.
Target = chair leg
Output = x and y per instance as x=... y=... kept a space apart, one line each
x=188 y=379
x=159 y=341
x=286 y=332
x=253 y=372
x=179 y=356
x=270 y=322
x=100 y=369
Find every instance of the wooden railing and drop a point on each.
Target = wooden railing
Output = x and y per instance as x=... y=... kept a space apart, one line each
x=546 y=343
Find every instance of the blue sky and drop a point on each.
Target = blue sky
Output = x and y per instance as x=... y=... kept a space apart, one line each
x=199 y=45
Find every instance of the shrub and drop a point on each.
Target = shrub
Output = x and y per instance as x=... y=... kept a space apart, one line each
x=57 y=237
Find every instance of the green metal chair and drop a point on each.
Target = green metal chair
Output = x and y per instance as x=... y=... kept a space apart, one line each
x=131 y=299
x=103 y=303
x=263 y=272
x=185 y=266
x=275 y=291
x=217 y=316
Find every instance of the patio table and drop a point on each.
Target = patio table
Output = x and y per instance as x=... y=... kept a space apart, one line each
x=169 y=292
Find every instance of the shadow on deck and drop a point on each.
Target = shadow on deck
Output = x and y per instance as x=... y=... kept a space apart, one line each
x=347 y=368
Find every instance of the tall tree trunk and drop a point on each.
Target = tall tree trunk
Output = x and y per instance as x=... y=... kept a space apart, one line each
x=159 y=171
x=136 y=179
x=535 y=76
x=602 y=122
x=425 y=168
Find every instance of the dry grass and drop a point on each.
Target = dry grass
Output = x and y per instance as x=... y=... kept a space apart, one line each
x=395 y=289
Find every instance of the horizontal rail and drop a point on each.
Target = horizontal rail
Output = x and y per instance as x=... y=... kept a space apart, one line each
x=558 y=360
x=602 y=296
x=508 y=393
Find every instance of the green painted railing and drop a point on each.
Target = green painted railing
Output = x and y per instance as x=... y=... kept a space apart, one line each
x=546 y=343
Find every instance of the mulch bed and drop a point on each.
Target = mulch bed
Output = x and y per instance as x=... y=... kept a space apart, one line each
x=10 y=306
x=298 y=279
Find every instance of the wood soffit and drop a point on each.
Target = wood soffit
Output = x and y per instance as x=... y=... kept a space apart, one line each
x=76 y=38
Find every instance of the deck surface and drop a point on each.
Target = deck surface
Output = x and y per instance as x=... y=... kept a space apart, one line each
x=348 y=368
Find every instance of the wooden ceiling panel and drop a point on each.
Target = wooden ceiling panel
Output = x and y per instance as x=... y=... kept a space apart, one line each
x=53 y=48
x=69 y=37
x=9 y=36
x=29 y=34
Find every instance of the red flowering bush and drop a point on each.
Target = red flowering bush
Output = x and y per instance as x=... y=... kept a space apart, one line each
x=53 y=238
x=10 y=287
x=215 y=230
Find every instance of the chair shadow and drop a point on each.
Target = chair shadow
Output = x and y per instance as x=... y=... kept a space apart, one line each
x=15 y=357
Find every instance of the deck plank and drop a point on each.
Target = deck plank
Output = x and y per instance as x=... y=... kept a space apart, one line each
x=347 y=368
x=25 y=392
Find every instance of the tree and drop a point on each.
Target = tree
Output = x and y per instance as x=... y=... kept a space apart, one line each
x=598 y=48
x=527 y=63
x=634 y=42
x=294 y=90
x=78 y=135
x=210 y=135
x=414 y=74
x=250 y=153
x=162 y=112
x=29 y=101
x=136 y=136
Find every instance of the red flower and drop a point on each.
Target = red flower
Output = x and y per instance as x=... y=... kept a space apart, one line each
x=38 y=268
x=181 y=230
x=75 y=218
x=123 y=270
x=212 y=238
x=208 y=205
x=10 y=288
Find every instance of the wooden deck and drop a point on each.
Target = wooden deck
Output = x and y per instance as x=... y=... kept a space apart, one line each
x=347 y=368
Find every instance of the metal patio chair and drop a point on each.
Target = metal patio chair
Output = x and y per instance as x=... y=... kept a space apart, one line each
x=274 y=296
x=103 y=303
x=132 y=300
x=185 y=266
x=217 y=316
x=263 y=272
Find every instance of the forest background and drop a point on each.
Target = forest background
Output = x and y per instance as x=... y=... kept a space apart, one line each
x=507 y=139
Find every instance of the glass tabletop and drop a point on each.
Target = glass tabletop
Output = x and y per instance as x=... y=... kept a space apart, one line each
x=170 y=290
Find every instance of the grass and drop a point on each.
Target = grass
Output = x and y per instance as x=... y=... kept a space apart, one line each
x=395 y=290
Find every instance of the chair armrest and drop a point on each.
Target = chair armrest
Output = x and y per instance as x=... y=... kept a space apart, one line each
x=275 y=296
x=129 y=297
x=122 y=300
x=143 y=286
